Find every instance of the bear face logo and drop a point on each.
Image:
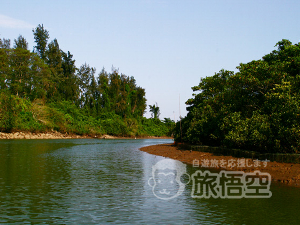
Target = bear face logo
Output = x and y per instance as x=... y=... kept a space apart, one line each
x=166 y=179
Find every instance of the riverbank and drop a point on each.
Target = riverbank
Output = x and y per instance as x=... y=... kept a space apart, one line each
x=287 y=173
x=58 y=135
x=46 y=135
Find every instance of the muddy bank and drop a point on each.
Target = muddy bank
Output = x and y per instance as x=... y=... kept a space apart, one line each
x=287 y=173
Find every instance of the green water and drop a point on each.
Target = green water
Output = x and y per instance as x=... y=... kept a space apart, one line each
x=86 y=181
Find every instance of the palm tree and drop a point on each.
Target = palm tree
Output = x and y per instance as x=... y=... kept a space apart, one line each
x=154 y=109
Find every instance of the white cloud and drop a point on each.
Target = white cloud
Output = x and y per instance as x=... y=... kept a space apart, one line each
x=8 y=22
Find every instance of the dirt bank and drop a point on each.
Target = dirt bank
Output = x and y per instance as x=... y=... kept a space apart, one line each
x=280 y=172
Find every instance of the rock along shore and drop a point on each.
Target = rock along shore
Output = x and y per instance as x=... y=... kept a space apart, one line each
x=58 y=135
x=46 y=135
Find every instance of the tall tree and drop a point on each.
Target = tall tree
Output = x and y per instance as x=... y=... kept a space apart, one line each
x=4 y=67
x=54 y=61
x=54 y=55
x=114 y=90
x=103 y=87
x=87 y=84
x=141 y=102
x=42 y=84
x=41 y=36
x=21 y=43
x=20 y=77
x=5 y=43
x=69 y=87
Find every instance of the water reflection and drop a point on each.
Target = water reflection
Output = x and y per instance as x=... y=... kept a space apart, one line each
x=101 y=181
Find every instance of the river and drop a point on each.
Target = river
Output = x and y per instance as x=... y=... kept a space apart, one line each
x=90 y=181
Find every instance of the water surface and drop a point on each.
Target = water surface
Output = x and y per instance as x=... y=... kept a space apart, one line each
x=89 y=181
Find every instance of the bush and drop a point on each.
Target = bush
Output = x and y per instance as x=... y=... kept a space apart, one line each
x=16 y=114
x=152 y=127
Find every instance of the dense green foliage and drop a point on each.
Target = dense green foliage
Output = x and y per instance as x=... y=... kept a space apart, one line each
x=256 y=108
x=43 y=90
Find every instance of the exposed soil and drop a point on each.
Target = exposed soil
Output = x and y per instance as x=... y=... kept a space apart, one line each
x=287 y=173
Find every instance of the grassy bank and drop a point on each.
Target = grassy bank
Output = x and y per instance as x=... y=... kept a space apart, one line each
x=20 y=114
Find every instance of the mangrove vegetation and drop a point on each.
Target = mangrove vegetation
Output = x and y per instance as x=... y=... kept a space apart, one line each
x=255 y=108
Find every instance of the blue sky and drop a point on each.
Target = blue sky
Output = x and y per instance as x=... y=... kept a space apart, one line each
x=167 y=45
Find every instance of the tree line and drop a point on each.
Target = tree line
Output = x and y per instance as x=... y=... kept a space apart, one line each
x=49 y=74
x=256 y=108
